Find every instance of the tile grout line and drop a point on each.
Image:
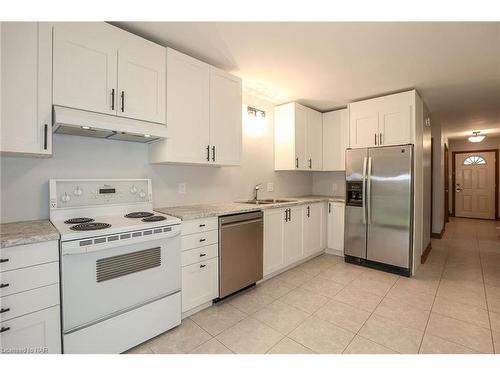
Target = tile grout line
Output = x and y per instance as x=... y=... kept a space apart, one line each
x=434 y=300
x=486 y=296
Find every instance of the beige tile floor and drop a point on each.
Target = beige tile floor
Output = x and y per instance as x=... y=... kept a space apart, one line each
x=452 y=305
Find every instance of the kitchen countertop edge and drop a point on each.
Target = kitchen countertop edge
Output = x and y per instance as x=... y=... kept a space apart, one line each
x=200 y=211
x=27 y=232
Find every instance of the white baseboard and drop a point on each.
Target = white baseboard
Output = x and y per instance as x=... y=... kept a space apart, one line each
x=196 y=309
x=339 y=253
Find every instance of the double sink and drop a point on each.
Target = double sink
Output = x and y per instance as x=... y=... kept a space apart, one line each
x=268 y=201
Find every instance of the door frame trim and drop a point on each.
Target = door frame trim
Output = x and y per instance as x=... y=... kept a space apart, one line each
x=496 y=176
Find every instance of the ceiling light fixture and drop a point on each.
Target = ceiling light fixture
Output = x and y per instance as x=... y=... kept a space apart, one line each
x=476 y=137
x=254 y=112
x=147 y=135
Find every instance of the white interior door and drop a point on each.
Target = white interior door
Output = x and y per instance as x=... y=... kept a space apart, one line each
x=85 y=66
x=225 y=117
x=141 y=80
x=475 y=185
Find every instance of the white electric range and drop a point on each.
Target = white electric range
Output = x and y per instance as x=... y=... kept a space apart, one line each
x=120 y=264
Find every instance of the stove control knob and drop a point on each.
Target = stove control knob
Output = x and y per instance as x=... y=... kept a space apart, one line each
x=78 y=191
x=65 y=198
x=142 y=194
x=133 y=190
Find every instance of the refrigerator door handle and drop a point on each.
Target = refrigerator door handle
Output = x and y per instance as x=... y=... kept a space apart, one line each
x=363 y=192
x=369 y=191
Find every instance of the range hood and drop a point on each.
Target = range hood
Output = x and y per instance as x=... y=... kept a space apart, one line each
x=72 y=121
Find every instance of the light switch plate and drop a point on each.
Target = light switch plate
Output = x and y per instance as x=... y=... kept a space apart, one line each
x=270 y=186
x=182 y=188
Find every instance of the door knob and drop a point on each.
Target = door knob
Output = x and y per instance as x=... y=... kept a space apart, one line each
x=458 y=189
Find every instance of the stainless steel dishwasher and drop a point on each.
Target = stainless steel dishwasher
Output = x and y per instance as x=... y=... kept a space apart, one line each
x=240 y=251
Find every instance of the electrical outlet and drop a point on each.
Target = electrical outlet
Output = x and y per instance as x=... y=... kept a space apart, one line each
x=182 y=188
x=270 y=186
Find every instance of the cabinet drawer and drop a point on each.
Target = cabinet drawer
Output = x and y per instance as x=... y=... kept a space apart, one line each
x=29 y=255
x=39 y=332
x=200 y=283
x=200 y=225
x=192 y=241
x=29 y=278
x=30 y=301
x=199 y=254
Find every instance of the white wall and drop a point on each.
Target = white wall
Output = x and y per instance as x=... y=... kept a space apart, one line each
x=437 y=177
x=490 y=143
x=24 y=181
x=328 y=183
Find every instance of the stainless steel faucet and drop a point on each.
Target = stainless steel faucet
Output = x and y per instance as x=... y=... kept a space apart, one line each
x=256 y=191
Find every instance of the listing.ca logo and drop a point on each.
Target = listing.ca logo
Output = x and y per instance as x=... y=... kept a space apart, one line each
x=25 y=350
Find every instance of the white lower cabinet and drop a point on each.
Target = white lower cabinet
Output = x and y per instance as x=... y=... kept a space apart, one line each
x=314 y=220
x=37 y=333
x=290 y=235
x=29 y=299
x=200 y=263
x=200 y=283
x=336 y=217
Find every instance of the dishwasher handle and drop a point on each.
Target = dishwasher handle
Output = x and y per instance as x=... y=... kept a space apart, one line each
x=241 y=223
x=239 y=218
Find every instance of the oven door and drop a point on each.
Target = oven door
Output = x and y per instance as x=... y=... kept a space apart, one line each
x=97 y=285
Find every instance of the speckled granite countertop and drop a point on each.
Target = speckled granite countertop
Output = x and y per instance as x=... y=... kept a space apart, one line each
x=199 y=211
x=26 y=232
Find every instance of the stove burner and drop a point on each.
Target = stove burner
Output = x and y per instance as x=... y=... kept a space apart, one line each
x=90 y=226
x=154 y=218
x=79 y=220
x=138 y=215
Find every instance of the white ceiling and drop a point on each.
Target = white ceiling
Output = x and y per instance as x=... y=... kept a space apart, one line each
x=455 y=66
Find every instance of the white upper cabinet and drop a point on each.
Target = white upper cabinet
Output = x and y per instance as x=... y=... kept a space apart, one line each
x=100 y=68
x=314 y=140
x=298 y=137
x=187 y=89
x=203 y=114
x=383 y=121
x=85 y=66
x=335 y=139
x=26 y=89
x=141 y=79
x=225 y=117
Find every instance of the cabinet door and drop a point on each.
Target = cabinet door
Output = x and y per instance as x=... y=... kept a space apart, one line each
x=313 y=228
x=301 y=161
x=200 y=283
x=363 y=124
x=141 y=79
x=314 y=140
x=225 y=118
x=336 y=226
x=335 y=139
x=85 y=66
x=395 y=125
x=39 y=332
x=187 y=112
x=293 y=236
x=26 y=87
x=274 y=250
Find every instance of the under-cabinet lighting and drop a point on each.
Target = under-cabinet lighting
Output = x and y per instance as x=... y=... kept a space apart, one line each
x=476 y=137
x=86 y=127
x=147 y=135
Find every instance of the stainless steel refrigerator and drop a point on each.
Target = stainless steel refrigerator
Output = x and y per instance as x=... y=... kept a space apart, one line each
x=379 y=208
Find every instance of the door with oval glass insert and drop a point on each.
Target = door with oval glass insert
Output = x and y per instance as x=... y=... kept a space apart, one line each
x=475 y=185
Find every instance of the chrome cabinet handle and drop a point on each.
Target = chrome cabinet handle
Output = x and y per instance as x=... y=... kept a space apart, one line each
x=112 y=99
x=4 y=310
x=213 y=153
x=203 y=239
x=296 y=162
x=308 y=211
x=4 y=260
x=4 y=285
x=45 y=135
x=380 y=138
x=289 y=214
x=208 y=153
x=202 y=255
x=310 y=163
x=203 y=265
x=4 y=329
x=201 y=225
x=329 y=207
